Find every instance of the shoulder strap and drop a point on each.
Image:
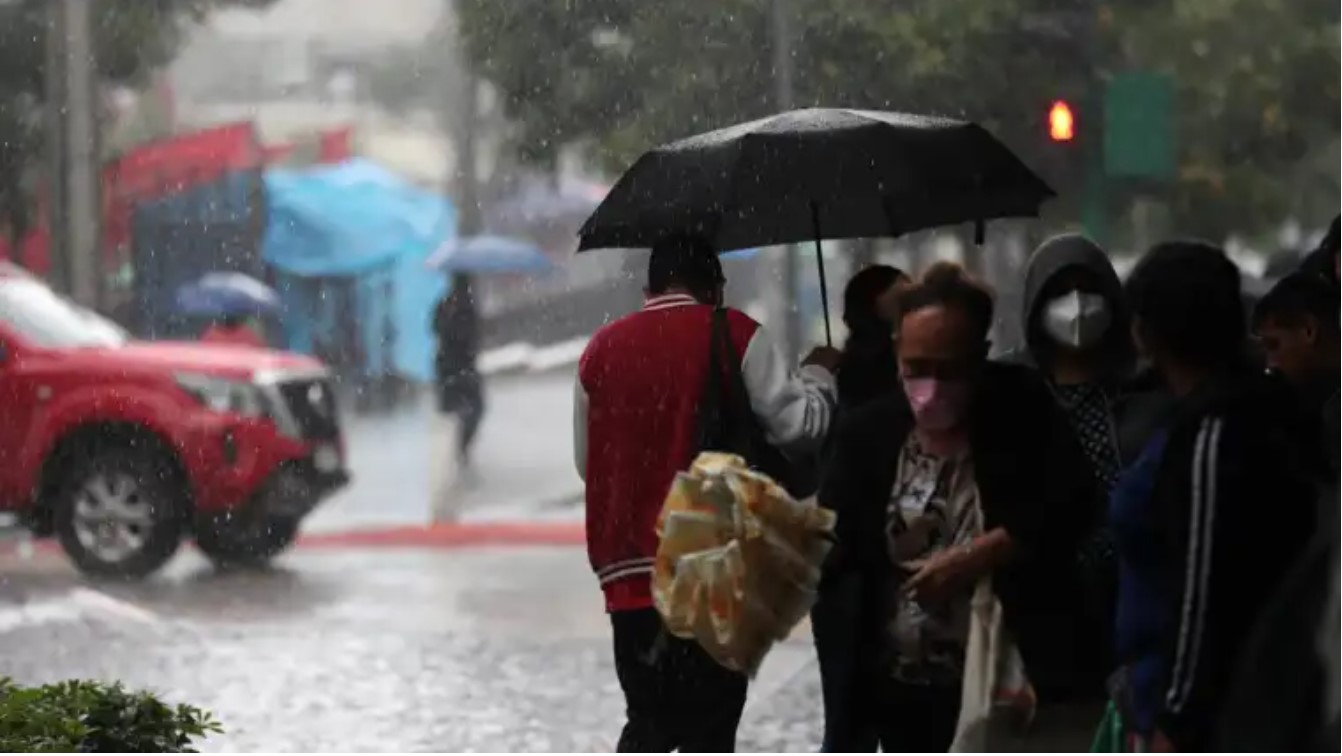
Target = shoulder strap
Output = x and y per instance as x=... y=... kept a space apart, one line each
x=712 y=414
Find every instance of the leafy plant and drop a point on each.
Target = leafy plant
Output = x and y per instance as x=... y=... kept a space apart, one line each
x=92 y=717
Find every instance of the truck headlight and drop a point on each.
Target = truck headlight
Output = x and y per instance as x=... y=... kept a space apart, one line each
x=224 y=395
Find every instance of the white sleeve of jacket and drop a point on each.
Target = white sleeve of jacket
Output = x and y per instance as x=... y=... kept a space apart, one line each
x=580 y=428
x=794 y=407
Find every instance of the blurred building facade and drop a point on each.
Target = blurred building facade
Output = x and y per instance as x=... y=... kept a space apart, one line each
x=300 y=67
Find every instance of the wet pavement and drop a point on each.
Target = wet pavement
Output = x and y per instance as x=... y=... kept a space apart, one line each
x=523 y=460
x=465 y=649
x=343 y=647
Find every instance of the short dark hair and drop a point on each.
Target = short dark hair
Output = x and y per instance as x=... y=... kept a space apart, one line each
x=859 y=296
x=1186 y=301
x=1298 y=296
x=686 y=261
x=947 y=284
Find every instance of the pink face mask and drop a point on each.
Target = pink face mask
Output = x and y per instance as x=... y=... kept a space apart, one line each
x=937 y=404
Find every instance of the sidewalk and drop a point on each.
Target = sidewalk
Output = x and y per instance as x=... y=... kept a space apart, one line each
x=523 y=462
x=347 y=650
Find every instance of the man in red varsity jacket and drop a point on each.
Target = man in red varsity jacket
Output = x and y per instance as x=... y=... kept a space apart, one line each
x=636 y=426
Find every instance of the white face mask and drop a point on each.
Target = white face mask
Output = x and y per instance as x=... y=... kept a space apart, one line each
x=1077 y=320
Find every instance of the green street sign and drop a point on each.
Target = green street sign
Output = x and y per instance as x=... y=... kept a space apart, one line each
x=1139 y=127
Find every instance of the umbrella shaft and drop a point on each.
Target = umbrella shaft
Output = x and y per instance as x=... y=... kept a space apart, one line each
x=820 y=264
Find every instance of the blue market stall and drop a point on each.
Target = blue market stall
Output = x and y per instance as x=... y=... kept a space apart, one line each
x=348 y=245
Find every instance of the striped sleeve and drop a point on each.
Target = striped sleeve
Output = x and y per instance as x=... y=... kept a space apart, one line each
x=580 y=428
x=794 y=406
x=1197 y=577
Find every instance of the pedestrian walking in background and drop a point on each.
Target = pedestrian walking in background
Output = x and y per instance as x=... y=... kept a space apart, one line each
x=1078 y=335
x=1214 y=511
x=967 y=483
x=868 y=368
x=456 y=323
x=235 y=330
x=637 y=423
x=1297 y=326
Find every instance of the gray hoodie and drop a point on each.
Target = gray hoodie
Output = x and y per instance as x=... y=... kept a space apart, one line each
x=1137 y=412
x=1051 y=259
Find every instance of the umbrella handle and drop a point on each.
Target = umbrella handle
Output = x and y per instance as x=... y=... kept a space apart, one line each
x=820 y=264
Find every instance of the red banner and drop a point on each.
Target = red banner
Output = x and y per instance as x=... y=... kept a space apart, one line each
x=336 y=145
x=276 y=154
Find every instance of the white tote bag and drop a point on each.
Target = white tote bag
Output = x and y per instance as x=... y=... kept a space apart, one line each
x=997 y=702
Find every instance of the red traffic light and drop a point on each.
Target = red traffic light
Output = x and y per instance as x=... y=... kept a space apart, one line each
x=1061 y=124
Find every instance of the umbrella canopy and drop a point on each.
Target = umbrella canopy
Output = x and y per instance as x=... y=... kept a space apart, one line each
x=219 y=294
x=489 y=254
x=812 y=173
x=815 y=174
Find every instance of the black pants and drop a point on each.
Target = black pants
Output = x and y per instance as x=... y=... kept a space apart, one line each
x=676 y=696
x=917 y=718
x=462 y=394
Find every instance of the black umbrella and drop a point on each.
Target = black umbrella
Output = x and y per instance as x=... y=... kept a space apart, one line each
x=815 y=174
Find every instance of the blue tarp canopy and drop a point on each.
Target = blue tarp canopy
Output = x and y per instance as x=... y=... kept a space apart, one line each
x=489 y=254
x=358 y=222
x=349 y=218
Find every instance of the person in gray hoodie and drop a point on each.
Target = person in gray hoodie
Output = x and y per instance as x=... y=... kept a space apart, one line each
x=1077 y=334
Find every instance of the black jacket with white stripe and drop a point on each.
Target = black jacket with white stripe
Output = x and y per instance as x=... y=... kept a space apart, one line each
x=1236 y=509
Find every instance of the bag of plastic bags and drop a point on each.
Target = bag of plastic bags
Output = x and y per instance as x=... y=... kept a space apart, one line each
x=738 y=561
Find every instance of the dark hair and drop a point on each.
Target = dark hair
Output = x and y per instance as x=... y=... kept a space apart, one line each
x=233 y=320
x=685 y=261
x=947 y=284
x=1298 y=296
x=859 y=296
x=1185 y=299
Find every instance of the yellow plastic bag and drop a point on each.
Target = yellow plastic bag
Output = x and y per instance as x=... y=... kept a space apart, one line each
x=738 y=560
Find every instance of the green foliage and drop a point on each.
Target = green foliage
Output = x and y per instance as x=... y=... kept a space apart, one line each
x=1257 y=91
x=89 y=717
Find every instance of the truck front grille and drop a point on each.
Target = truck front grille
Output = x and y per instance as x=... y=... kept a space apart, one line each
x=311 y=403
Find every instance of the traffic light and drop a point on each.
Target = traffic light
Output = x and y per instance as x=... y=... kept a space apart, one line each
x=1061 y=122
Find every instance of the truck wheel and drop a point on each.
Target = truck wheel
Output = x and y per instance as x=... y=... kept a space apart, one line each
x=245 y=539
x=117 y=514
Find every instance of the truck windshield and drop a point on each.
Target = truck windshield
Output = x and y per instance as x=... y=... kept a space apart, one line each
x=41 y=317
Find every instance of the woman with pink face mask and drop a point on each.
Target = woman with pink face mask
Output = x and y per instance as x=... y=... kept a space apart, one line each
x=970 y=472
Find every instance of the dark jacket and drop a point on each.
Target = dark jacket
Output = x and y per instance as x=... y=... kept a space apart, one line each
x=1233 y=509
x=868 y=370
x=457 y=326
x=1283 y=697
x=1031 y=476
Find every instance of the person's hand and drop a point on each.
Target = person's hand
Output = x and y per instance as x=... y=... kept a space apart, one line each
x=1161 y=744
x=826 y=357
x=934 y=579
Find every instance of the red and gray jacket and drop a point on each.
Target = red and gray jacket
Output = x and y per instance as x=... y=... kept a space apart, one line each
x=636 y=424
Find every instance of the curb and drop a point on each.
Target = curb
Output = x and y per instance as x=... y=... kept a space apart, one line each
x=440 y=535
x=437 y=535
x=522 y=358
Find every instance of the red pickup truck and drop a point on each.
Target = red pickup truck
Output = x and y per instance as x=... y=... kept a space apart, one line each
x=122 y=449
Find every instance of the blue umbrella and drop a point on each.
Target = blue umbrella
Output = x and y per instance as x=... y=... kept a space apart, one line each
x=219 y=294
x=489 y=254
x=740 y=254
